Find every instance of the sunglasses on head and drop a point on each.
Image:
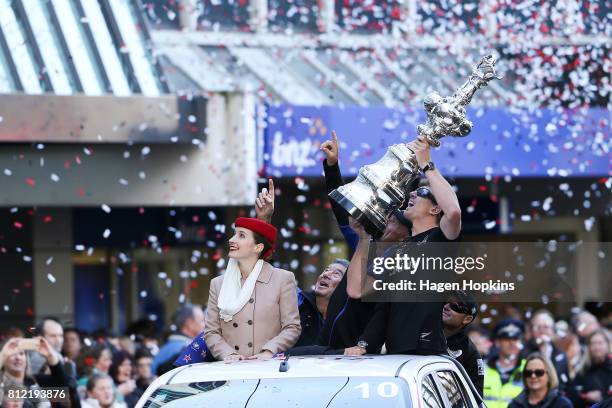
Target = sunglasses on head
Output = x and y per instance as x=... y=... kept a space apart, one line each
x=459 y=308
x=425 y=192
x=530 y=373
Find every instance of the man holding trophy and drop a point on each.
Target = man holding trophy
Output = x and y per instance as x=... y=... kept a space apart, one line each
x=413 y=327
x=433 y=210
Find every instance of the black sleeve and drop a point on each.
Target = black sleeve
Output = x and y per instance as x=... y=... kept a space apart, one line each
x=376 y=329
x=333 y=180
x=563 y=374
x=475 y=369
x=60 y=378
x=57 y=378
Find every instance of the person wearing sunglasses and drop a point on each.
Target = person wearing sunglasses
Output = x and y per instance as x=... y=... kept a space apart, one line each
x=435 y=216
x=457 y=314
x=346 y=327
x=541 y=385
x=542 y=327
x=502 y=382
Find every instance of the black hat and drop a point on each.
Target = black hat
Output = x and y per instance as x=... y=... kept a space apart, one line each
x=509 y=329
x=467 y=300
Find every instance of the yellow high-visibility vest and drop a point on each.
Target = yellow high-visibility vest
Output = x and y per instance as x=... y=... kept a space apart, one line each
x=498 y=395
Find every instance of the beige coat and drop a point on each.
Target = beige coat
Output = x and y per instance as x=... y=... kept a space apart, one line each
x=270 y=320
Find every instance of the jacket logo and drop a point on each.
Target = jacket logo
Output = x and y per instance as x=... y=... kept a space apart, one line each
x=481 y=366
x=425 y=334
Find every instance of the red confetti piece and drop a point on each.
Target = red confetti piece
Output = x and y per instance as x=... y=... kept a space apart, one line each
x=30 y=181
x=18 y=225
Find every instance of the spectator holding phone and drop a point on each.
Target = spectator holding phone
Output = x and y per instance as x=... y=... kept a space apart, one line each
x=15 y=368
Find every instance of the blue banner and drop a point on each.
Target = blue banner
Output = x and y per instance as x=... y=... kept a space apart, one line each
x=518 y=143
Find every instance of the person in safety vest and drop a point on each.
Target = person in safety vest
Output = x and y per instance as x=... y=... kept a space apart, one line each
x=503 y=374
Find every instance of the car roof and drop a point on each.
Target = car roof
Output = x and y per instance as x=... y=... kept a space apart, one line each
x=299 y=367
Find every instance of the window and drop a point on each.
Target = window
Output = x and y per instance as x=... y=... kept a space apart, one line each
x=451 y=389
x=365 y=16
x=429 y=394
x=292 y=15
x=223 y=15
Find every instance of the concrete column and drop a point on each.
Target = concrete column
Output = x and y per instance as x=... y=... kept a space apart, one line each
x=327 y=15
x=241 y=146
x=489 y=18
x=410 y=15
x=52 y=259
x=187 y=14
x=259 y=15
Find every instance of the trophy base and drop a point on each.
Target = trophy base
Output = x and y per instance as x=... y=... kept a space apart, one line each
x=371 y=224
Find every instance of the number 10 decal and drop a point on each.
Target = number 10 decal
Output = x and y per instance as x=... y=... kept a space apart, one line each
x=383 y=390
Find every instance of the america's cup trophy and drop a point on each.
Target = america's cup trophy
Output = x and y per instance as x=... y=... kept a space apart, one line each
x=381 y=187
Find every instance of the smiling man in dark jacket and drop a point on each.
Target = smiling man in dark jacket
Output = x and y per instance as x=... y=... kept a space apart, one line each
x=313 y=304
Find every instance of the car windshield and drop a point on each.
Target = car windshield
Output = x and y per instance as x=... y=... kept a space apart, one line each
x=333 y=392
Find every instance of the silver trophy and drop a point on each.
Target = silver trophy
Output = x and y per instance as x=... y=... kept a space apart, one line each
x=381 y=187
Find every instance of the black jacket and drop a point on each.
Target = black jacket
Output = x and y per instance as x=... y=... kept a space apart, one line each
x=60 y=378
x=597 y=377
x=559 y=360
x=464 y=351
x=347 y=319
x=552 y=400
x=310 y=319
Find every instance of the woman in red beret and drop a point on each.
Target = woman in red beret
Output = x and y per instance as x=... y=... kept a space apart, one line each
x=252 y=308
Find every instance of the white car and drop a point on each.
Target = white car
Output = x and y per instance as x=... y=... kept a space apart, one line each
x=317 y=381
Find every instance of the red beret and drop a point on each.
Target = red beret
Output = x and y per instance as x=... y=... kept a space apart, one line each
x=268 y=231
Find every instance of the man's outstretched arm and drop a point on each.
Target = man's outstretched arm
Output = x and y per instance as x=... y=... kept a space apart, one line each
x=450 y=224
x=358 y=263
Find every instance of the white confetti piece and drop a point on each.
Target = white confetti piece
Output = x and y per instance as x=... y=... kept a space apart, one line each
x=106 y=208
x=106 y=233
x=55 y=177
x=51 y=278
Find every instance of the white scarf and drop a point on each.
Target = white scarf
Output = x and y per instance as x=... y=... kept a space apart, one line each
x=232 y=296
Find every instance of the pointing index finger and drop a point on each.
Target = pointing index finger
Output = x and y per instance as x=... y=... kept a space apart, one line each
x=271 y=187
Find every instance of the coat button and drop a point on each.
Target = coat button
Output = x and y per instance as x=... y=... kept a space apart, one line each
x=235 y=324
x=251 y=300
x=250 y=322
x=250 y=344
x=237 y=348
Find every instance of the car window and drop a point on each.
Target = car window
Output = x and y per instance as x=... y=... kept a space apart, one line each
x=451 y=389
x=214 y=393
x=429 y=394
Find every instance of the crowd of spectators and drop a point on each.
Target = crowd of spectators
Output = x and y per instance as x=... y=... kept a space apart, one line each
x=570 y=357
